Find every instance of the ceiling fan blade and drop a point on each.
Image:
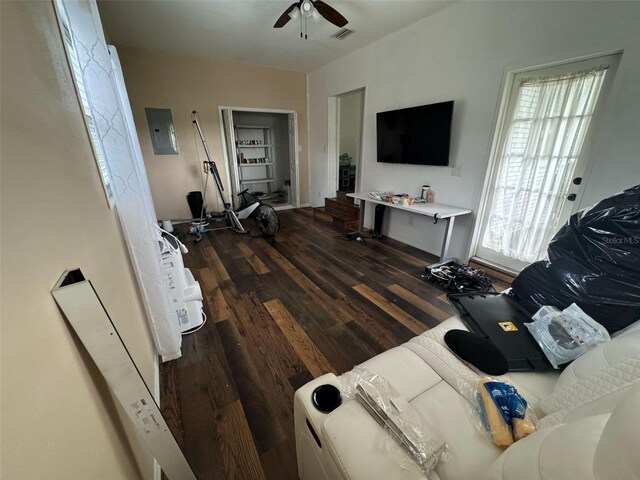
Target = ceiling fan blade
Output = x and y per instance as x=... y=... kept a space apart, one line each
x=330 y=14
x=284 y=18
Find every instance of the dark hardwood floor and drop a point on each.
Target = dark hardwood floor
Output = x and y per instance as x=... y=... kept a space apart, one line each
x=279 y=316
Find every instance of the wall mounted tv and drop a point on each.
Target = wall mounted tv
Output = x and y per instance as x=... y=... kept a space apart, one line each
x=417 y=135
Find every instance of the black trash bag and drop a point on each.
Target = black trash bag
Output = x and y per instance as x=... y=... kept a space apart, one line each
x=594 y=261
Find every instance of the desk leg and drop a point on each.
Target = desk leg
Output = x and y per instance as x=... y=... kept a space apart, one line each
x=361 y=224
x=444 y=253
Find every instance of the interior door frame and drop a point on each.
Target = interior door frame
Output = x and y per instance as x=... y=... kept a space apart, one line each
x=502 y=116
x=296 y=152
x=333 y=140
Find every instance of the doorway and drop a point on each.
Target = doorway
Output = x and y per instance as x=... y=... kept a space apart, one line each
x=261 y=152
x=346 y=117
x=544 y=145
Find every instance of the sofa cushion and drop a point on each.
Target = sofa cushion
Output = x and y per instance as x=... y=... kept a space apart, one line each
x=449 y=414
x=404 y=370
x=601 y=447
x=431 y=347
x=356 y=444
x=595 y=382
x=560 y=452
x=599 y=358
x=595 y=394
x=617 y=453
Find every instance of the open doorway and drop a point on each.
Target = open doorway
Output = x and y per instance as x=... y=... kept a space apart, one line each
x=261 y=151
x=348 y=140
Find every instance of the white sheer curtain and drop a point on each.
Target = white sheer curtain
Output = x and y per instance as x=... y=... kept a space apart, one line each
x=545 y=135
x=128 y=179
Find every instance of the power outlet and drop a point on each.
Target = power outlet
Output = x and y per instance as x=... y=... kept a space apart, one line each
x=456 y=171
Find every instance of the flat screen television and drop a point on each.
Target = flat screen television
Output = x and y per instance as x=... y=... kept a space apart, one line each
x=417 y=135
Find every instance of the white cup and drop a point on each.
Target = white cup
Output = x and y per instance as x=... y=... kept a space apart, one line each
x=167 y=226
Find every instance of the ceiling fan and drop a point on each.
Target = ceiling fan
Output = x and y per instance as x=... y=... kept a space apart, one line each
x=310 y=8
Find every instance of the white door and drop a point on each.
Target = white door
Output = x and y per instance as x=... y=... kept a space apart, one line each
x=293 y=160
x=232 y=164
x=541 y=158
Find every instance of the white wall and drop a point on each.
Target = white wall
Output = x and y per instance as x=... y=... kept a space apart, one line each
x=463 y=53
x=59 y=420
x=184 y=82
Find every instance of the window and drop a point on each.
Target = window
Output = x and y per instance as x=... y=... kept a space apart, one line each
x=78 y=78
x=538 y=155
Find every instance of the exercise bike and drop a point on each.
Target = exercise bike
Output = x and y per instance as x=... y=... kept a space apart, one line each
x=250 y=206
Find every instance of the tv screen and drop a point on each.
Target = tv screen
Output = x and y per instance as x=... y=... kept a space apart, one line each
x=418 y=135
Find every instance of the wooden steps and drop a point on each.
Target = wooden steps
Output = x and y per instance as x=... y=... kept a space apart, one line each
x=339 y=211
x=339 y=220
x=345 y=208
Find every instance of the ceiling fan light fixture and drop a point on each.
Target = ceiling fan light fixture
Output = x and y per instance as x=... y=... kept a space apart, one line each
x=314 y=9
x=307 y=8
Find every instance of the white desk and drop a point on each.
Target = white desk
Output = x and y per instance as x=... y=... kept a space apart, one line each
x=437 y=211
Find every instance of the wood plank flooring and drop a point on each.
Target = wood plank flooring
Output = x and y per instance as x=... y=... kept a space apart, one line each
x=278 y=316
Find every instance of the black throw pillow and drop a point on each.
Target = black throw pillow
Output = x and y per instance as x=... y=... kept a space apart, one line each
x=478 y=351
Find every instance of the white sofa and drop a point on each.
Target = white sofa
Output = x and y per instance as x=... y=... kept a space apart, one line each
x=589 y=425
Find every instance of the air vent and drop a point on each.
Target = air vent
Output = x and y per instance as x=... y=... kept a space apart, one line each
x=342 y=34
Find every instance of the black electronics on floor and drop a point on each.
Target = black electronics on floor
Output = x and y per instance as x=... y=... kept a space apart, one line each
x=377 y=224
x=458 y=279
x=194 y=199
x=498 y=318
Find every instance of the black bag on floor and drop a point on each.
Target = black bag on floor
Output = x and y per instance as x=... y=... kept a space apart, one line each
x=594 y=261
x=194 y=199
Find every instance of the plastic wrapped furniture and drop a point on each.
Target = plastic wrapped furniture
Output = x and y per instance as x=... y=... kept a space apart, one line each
x=594 y=261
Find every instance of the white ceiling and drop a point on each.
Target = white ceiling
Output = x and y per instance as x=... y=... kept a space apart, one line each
x=242 y=30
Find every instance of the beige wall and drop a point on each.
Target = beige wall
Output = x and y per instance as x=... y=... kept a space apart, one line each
x=184 y=83
x=58 y=419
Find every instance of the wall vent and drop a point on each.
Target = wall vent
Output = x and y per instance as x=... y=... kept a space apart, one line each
x=342 y=34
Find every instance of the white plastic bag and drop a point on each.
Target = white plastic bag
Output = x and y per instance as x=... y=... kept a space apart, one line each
x=404 y=426
x=564 y=336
